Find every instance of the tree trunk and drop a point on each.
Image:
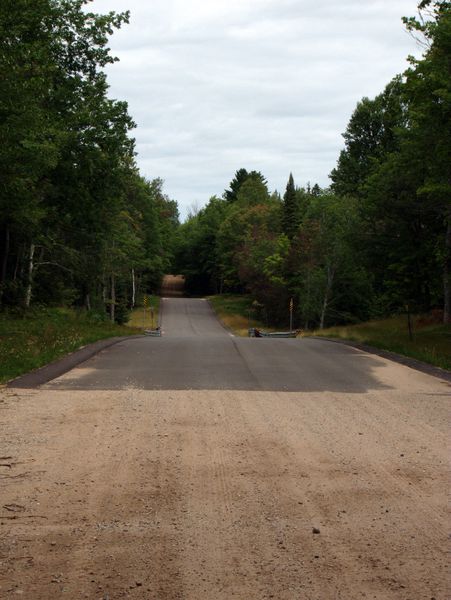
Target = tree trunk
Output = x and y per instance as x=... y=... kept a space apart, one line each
x=23 y=262
x=88 y=302
x=330 y=280
x=5 y=255
x=307 y=303
x=113 y=298
x=323 y=310
x=18 y=262
x=138 y=281
x=30 y=276
x=4 y=262
x=104 y=291
x=133 y=288
x=447 y=275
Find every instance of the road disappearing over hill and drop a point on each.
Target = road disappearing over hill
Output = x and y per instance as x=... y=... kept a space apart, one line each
x=197 y=353
x=200 y=466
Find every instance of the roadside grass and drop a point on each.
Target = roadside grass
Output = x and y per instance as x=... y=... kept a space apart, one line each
x=39 y=336
x=237 y=313
x=142 y=319
x=431 y=342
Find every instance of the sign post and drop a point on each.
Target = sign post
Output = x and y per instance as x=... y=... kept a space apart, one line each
x=291 y=315
x=145 y=305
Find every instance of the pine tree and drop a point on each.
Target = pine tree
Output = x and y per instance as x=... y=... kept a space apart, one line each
x=240 y=177
x=290 y=216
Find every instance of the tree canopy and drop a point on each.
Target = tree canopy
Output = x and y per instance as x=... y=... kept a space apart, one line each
x=78 y=223
x=379 y=239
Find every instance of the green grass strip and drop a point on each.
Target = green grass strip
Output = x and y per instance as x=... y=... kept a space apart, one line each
x=237 y=313
x=430 y=343
x=40 y=336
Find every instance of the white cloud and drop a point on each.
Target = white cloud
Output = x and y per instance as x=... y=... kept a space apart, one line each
x=263 y=84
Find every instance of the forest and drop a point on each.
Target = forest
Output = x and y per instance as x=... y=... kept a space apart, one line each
x=80 y=226
x=377 y=241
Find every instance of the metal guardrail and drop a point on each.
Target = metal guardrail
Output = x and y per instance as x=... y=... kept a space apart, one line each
x=254 y=332
x=153 y=332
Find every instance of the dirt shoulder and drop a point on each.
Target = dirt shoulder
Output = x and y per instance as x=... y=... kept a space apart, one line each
x=215 y=495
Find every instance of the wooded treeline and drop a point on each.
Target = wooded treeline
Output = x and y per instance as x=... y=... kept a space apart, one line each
x=376 y=241
x=78 y=224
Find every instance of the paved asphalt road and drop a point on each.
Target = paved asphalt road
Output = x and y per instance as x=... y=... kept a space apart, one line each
x=196 y=352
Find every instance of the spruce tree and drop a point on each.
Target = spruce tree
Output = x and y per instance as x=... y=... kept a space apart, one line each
x=240 y=177
x=290 y=216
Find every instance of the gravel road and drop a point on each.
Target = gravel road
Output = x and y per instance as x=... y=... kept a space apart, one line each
x=333 y=490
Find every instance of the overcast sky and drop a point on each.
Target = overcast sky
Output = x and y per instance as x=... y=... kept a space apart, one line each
x=270 y=85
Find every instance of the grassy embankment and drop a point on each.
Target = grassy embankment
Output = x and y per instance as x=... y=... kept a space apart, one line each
x=142 y=319
x=431 y=341
x=38 y=337
x=237 y=313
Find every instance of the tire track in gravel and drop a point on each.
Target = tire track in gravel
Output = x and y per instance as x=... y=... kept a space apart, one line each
x=195 y=495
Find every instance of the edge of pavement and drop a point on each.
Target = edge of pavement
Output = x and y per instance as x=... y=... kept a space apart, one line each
x=160 y=311
x=407 y=361
x=223 y=325
x=58 y=367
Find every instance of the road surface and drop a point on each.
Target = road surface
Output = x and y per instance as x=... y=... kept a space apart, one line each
x=199 y=466
x=197 y=353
